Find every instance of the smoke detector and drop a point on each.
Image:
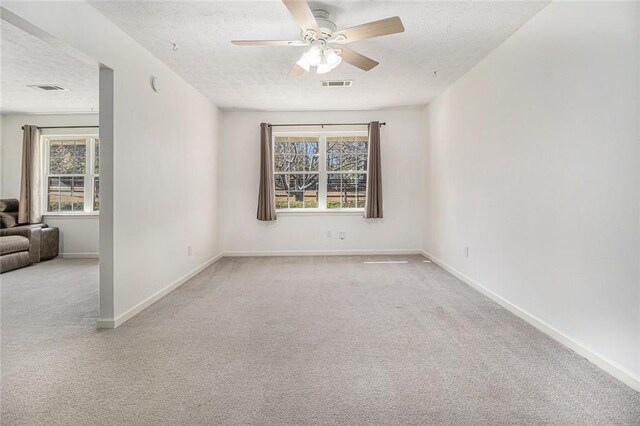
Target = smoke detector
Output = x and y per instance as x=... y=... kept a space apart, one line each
x=337 y=83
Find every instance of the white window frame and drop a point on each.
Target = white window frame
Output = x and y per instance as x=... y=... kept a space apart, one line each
x=88 y=176
x=322 y=170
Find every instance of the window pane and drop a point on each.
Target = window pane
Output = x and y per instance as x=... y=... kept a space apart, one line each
x=282 y=199
x=67 y=156
x=362 y=162
x=296 y=190
x=361 y=189
x=296 y=154
x=334 y=145
x=71 y=191
x=345 y=162
x=77 y=194
x=96 y=162
x=65 y=194
x=311 y=199
x=347 y=153
x=96 y=194
x=362 y=144
x=296 y=200
x=53 y=194
x=349 y=162
x=311 y=158
x=279 y=162
x=334 y=191
x=346 y=190
x=290 y=162
x=333 y=161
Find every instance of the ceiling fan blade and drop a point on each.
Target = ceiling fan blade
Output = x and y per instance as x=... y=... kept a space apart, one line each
x=379 y=28
x=356 y=59
x=302 y=14
x=269 y=42
x=296 y=70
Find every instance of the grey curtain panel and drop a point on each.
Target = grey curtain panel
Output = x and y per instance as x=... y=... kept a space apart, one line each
x=30 y=185
x=267 y=191
x=373 y=204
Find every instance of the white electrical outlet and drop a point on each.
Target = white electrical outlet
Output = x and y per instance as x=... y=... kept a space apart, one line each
x=342 y=235
x=328 y=234
x=466 y=252
x=189 y=251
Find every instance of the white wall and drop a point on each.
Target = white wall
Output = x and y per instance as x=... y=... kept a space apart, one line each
x=164 y=160
x=79 y=236
x=398 y=231
x=533 y=163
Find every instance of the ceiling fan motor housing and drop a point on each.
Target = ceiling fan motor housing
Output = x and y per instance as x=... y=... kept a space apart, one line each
x=326 y=25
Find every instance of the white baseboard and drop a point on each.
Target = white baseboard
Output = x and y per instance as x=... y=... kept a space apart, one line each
x=320 y=253
x=614 y=369
x=121 y=319
x=79 y=255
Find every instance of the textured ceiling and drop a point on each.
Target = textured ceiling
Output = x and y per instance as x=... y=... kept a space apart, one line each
x=27 y=60
x=447 y=37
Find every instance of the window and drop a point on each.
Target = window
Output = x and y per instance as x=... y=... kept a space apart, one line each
x=346 y=171
x=71 y=175
x=296 y=167
x=323 y=171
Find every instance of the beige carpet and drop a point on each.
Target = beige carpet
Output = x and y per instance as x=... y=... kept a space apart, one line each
x=308 y=340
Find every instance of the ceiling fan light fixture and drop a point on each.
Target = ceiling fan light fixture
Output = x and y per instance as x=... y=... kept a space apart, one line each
x=304 y=63
x=323 y=68
x=332 y=57
x=330 y=60
x=314 y=56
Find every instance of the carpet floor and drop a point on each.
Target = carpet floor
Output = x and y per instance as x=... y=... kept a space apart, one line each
x=290 y=340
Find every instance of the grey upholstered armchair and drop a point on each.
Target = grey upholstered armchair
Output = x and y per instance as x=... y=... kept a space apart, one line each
x=24 y=244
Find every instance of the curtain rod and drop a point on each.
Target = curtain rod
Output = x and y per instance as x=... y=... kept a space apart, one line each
x=65 y=127
x=322 y=124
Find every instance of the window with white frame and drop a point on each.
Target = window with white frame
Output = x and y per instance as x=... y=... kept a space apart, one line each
x=71 y=174
x=320 y=171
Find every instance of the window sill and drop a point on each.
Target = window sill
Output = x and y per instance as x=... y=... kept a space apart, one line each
x=320 y=212
x=71 y=215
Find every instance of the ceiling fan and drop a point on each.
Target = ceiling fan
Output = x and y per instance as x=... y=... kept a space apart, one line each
x=327 y=43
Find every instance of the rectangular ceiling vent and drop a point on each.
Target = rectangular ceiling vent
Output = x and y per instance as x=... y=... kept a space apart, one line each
x=337 y=83
x=48 y=87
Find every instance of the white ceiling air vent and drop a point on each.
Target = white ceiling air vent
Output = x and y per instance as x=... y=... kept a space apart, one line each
x=48 y=87
x=337 y=83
